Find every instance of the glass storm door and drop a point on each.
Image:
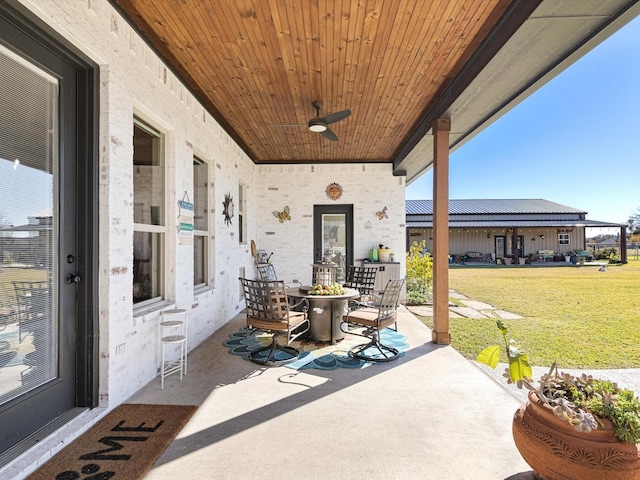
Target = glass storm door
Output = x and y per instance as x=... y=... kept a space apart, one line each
x=520 y=246
x=501 y=248
x=38 y=246
x=333 y=237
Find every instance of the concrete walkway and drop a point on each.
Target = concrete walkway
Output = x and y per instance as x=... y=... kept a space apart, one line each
x=469 y=309
x=429 y=415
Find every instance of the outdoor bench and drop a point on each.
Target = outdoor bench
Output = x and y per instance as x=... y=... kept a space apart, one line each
x=474 y=256
x=543 y=255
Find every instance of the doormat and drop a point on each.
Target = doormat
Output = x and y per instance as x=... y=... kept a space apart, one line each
x=123 y=445
x=320 y=355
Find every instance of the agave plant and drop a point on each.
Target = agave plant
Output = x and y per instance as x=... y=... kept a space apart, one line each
x=579 y=400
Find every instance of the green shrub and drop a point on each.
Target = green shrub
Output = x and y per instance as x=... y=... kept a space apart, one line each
x=419 y=273
x=417 y=298
x=608 y=253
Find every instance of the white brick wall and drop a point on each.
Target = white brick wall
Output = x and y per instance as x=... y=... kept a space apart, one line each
x=133 y=80
x=368 y=187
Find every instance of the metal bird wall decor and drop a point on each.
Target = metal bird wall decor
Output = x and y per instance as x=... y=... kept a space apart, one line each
x=282 y=216
x=382 y=214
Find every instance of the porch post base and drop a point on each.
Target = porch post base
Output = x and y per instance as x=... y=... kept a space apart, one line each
x=441 y=338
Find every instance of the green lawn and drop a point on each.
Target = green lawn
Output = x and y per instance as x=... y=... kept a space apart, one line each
x=18 y=274
x=577 y=316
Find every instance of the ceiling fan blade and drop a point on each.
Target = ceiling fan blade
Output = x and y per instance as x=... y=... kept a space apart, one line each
x=286 y=125
x=337 y=116
x=328 y=133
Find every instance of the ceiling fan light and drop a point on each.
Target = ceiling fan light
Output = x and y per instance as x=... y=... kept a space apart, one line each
x=317 y=126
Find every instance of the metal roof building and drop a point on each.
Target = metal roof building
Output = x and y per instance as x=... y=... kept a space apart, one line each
x=491 y=226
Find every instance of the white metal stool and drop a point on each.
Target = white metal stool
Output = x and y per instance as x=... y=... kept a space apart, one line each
x=174 y=319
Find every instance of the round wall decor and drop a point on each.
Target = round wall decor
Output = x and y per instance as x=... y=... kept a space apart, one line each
x=334 y=191
x=228 y=208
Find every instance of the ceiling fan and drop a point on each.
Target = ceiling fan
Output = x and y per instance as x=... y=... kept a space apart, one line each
x=320 y=124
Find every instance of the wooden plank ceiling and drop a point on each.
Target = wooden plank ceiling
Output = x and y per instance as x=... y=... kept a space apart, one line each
x=257 y=66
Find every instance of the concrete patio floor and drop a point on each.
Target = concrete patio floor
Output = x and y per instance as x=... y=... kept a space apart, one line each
x=429 y=415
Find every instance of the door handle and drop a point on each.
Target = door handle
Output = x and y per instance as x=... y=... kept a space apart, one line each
x=71 y=279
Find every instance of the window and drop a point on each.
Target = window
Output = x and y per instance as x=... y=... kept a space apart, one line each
x=564 y=239
x=200 y=223
x=242 y=217
x=148 y=214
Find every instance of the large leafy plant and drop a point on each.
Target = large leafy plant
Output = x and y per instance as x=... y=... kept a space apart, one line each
x=580 y=401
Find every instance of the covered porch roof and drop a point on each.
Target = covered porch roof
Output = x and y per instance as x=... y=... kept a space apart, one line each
x=401 y=82
x=397 y=65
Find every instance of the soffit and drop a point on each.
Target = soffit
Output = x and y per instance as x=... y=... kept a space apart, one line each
x=554 y=37
x=258 y=65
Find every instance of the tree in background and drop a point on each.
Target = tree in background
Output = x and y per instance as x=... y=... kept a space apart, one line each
x=634 y=222
x=419 y=274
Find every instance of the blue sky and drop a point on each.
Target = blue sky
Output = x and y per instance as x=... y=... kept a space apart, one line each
x=576 y=141
x=16 y=202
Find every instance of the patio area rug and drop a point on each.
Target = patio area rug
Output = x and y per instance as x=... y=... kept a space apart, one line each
x=123 y=445
x=320 y=355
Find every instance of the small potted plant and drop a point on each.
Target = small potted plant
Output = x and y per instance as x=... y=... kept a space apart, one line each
x=571 y=427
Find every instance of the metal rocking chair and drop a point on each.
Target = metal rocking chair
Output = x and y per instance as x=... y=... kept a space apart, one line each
x=268 y=310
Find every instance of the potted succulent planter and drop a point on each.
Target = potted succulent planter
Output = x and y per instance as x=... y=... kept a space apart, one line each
x=571 y=428
x=554 y=449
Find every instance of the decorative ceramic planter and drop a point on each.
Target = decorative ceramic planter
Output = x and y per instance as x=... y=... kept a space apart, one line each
x=507 y=260
x=384 y=254
x=556 y=451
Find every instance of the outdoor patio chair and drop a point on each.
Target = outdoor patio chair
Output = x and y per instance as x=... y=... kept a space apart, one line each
x=268 y=272
x=268 y=310
x=373 y=319
x=32 y=299
x=362 y=279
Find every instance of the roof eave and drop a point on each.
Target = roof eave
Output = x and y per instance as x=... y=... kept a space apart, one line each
x=550 y=48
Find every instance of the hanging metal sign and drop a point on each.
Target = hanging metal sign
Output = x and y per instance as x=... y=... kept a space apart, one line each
x=185 y=220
